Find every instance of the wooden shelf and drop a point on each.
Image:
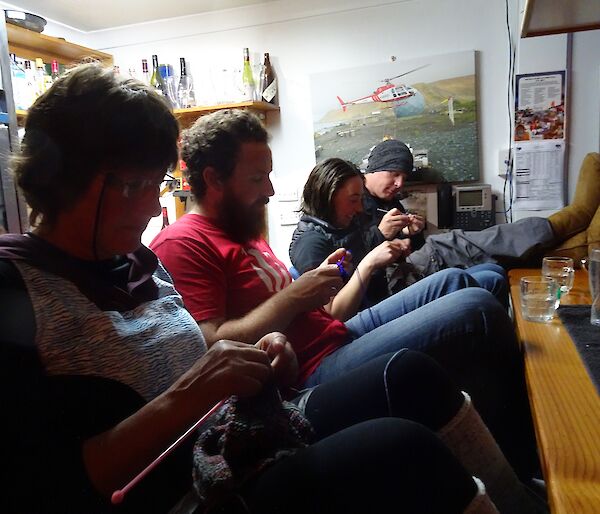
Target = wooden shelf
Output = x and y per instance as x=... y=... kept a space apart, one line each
x=21 y=117
x=187 y=116
x=30 y=45
x=543 y=17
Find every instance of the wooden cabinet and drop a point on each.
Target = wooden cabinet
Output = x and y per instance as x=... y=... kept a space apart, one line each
x=544 y=17
x=30 y=45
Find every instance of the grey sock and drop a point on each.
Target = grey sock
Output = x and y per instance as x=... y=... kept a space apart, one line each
x=472 y=443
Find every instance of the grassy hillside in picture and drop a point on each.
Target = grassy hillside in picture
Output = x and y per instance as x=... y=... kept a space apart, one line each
x=443 y=127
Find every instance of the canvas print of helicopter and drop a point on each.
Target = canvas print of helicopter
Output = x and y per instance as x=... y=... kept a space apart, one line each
x=429 y=103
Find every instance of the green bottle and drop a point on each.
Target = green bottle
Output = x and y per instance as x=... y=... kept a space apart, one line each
x=156 y=80
x=248 y=78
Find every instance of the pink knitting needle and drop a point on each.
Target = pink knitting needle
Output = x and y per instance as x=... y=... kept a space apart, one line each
x=119 y=494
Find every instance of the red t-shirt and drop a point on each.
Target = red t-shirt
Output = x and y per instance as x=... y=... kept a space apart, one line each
x=219 y=278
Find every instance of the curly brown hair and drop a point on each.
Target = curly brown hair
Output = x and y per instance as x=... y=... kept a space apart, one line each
x=215 y=140
x=88 y=121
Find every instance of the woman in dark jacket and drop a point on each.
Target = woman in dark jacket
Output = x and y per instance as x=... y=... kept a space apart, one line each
x=331 y=204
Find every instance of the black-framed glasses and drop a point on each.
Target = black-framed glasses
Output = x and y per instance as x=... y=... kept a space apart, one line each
x=134 y=187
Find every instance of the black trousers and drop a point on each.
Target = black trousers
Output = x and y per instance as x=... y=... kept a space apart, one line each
x=376 y=449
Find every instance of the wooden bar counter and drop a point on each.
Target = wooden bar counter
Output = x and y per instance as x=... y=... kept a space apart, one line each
x=564 y=402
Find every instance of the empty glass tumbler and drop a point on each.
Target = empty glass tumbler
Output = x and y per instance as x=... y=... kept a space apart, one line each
x=560 y=269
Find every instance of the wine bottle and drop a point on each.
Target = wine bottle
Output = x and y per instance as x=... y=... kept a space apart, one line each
x=156 y=80
x=47 y=78
x=55 y=74
x=269 y=85
x=145 y=73
x=165 y=218
x=248 y=78
x=185 y=89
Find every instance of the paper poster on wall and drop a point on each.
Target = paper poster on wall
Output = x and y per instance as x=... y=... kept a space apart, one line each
x=429 y=103
x=540 y=116
x=539 y=176
x=540 y=106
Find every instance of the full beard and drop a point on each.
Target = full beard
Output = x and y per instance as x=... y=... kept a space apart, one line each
x=243 y=223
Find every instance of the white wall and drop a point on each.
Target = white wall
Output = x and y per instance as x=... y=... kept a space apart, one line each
x=585 y=101
x=309 y=37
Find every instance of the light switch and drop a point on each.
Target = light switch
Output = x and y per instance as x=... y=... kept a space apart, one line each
x=289 y=217
x=287 y=195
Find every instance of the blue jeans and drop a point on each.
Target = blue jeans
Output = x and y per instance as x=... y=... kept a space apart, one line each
x=444 y=309
x=493 y=278
x=466 y=330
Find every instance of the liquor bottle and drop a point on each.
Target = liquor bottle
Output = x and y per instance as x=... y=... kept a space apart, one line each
x=19 y=83
x=248 y=78
x=165 y=218
x=31 y=85
x=41 y=77
x=55 y=73
x=185 y=89
x=156 y=80
x=269 y=84
x=145 y=73
x=47 y=78
x=170 y=87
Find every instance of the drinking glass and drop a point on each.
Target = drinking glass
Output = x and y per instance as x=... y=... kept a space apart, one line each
x=258 y=70
x=223 y=81
x=560 y=269
x=539 y=298
x=594 y=277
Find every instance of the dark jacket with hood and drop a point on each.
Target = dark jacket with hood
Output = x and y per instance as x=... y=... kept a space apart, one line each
x=371 y=217
x=314 y=239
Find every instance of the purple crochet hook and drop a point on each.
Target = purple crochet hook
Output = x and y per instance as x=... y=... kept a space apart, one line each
x=343 y=272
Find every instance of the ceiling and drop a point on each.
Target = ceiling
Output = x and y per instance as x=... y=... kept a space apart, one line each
x=91 y=15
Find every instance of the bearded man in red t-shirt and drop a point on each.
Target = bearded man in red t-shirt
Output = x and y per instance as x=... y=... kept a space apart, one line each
x=237 y=289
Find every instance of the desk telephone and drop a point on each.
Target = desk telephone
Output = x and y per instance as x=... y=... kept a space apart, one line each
x=468 y=207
